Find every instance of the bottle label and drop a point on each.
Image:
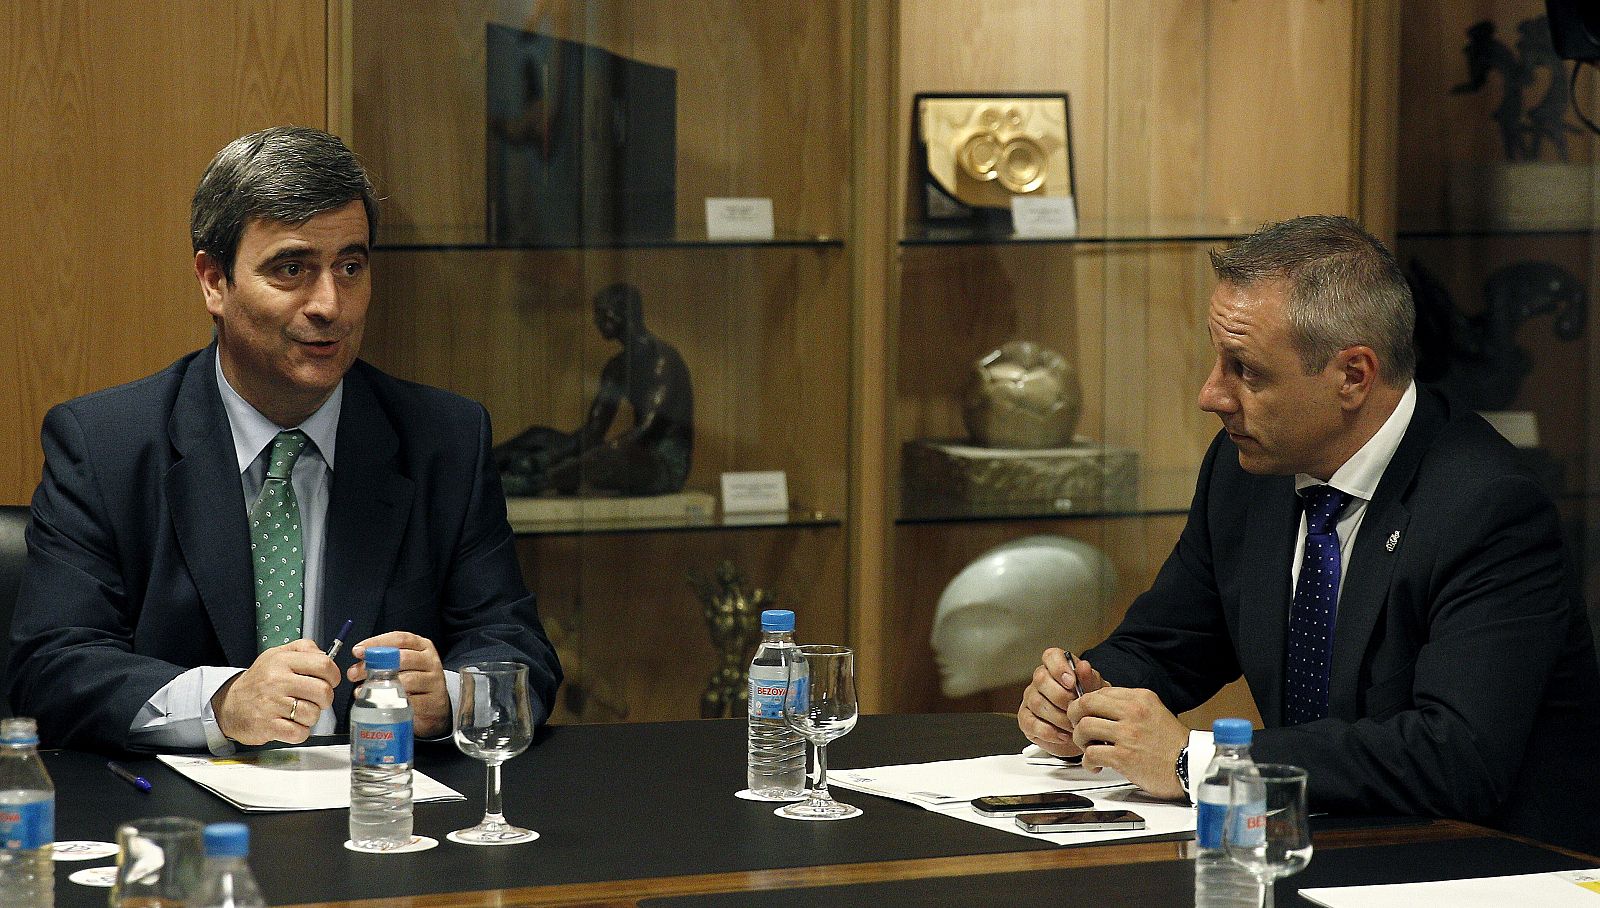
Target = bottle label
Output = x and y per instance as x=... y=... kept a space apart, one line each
x=380 y=744
x=767 y=693
x=1250 y=824
x=25 y=827
x=1208 y=824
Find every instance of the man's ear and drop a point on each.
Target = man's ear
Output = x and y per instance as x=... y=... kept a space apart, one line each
x=213 y=281
x=1357 y=367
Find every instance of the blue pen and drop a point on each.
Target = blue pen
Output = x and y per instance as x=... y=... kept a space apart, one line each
x=338 y=639
x=121 y=772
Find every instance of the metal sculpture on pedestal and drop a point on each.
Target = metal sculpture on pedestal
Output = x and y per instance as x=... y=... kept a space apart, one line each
x=649 y=458
x=733 y=619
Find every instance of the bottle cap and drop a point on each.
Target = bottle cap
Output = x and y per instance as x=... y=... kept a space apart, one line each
x=19 y=731
x=381 y=658
x=1231 y=731
x=227 y=840
x=777 y=619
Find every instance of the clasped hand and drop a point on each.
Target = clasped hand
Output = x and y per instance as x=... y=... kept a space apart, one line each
x=1126 y=729
x=283 y=693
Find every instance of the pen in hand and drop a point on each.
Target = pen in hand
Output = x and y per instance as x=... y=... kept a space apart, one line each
x=338 y=639
x=121 y=772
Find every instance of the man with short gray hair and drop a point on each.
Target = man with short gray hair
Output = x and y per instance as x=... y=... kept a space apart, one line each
x=1368 y=555
x=200 y=536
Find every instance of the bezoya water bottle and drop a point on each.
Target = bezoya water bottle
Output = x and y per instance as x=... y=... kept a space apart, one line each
x=227 y=881
x=1219 y=882
x=777 y=753
x=380 y=756
x=27 y=818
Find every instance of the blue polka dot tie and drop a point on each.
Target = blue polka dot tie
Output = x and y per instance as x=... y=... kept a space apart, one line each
x=275 y=550
x=1311 y=618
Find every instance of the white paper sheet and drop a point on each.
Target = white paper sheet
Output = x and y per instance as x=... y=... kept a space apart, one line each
x=1574 y=888
x=289 y=778
x=948 y=786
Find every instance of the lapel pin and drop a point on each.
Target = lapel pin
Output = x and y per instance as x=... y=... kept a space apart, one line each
x=1394 y=540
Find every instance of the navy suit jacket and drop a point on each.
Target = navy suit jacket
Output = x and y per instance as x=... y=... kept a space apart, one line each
x=1464 y=681
x=139 y=554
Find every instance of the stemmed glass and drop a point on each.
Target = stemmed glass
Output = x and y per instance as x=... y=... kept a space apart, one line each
x=821 y=706
x=1266 y=830
x=493 y=724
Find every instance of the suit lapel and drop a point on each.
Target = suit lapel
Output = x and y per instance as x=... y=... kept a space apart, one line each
x=367 y=513
x=206 y=501
x=1365 y=591
x=1264 y=591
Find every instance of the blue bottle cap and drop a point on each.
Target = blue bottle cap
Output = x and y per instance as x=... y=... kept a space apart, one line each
x=18 y=731
x=381 y=658
x=227 y=840
x=1231 y=731
x=777 y=619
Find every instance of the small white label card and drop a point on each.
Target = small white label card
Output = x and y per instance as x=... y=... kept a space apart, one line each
x=1044 y=217
x=739 y=219
x=754 y=493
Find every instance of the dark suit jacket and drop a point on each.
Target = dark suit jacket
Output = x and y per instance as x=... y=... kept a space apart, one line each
x=139 y=553
x=1464 y=681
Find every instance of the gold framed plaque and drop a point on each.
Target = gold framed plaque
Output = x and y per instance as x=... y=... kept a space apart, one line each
x=981 y=151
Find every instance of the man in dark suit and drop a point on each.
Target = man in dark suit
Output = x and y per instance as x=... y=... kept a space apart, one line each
x=1411 y=634
x=200 y=535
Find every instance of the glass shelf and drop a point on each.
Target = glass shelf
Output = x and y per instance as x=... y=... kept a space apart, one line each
x=1184 y=230
x=793 y=520
x=681 y=240
x=1041 y=515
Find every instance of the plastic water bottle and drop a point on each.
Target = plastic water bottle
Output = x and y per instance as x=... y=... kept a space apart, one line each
x=777 y=765
x=227 y=881
x=380 y=755
x=27 y=818
x=1219 y=882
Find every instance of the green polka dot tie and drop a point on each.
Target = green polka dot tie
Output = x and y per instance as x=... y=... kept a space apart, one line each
x=275 y=550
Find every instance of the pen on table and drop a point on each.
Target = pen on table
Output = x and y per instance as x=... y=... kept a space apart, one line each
x=121 y=772
x=338 y=639
x=1077 y=689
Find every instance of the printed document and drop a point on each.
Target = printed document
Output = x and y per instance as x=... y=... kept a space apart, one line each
x=948 y=787
x=289 y=778
x=1567 y=889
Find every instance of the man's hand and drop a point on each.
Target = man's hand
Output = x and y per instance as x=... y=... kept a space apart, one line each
x=1043 y=714
x=279 y=697
x=422 y=676
x=1129 y=730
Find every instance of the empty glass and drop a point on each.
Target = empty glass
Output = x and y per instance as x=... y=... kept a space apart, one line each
x=158 y=863
x=1266 y=830
x=493 y=724
x=821 y=706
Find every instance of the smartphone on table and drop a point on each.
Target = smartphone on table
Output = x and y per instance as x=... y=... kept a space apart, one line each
x=1011 y=805
x=1081 y=821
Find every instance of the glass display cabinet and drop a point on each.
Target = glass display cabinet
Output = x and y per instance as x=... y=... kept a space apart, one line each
x=533 y=155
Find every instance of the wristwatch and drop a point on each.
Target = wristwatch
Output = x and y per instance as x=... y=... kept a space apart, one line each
x=1181 y=767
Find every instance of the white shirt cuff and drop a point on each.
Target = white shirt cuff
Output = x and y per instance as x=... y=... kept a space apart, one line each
x=179 y=715
x=1202 y=747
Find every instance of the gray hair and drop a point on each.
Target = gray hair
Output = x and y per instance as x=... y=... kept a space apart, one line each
x=1344 y=288
x=288 y=174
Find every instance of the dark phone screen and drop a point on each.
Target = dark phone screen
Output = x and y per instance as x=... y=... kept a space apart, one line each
x=1048 y=800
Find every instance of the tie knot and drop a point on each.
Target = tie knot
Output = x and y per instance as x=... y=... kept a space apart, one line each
x=1323 y=504
x=286 y=449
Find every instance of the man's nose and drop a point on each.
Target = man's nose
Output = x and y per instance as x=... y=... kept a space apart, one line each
x=1215 y=395
x=324 y=302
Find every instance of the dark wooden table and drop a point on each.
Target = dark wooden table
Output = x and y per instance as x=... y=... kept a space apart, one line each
x=644 y=815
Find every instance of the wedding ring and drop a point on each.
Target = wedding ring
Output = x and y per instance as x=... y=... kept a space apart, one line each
x=295 y=705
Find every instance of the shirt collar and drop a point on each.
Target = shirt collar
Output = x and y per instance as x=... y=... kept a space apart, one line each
x=1360 y=474
x=252 y=431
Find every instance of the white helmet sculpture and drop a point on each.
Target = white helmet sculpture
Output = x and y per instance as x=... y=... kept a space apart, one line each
x=1015 y=600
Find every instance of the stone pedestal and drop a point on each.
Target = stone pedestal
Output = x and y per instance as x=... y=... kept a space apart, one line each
x=953 y=479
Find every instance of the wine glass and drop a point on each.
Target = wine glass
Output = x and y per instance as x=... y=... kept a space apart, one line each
x=493 y=724
x=1266 y=830
x=821 y=706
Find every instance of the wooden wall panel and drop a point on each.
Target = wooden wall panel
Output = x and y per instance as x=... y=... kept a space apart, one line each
x=112 y=108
